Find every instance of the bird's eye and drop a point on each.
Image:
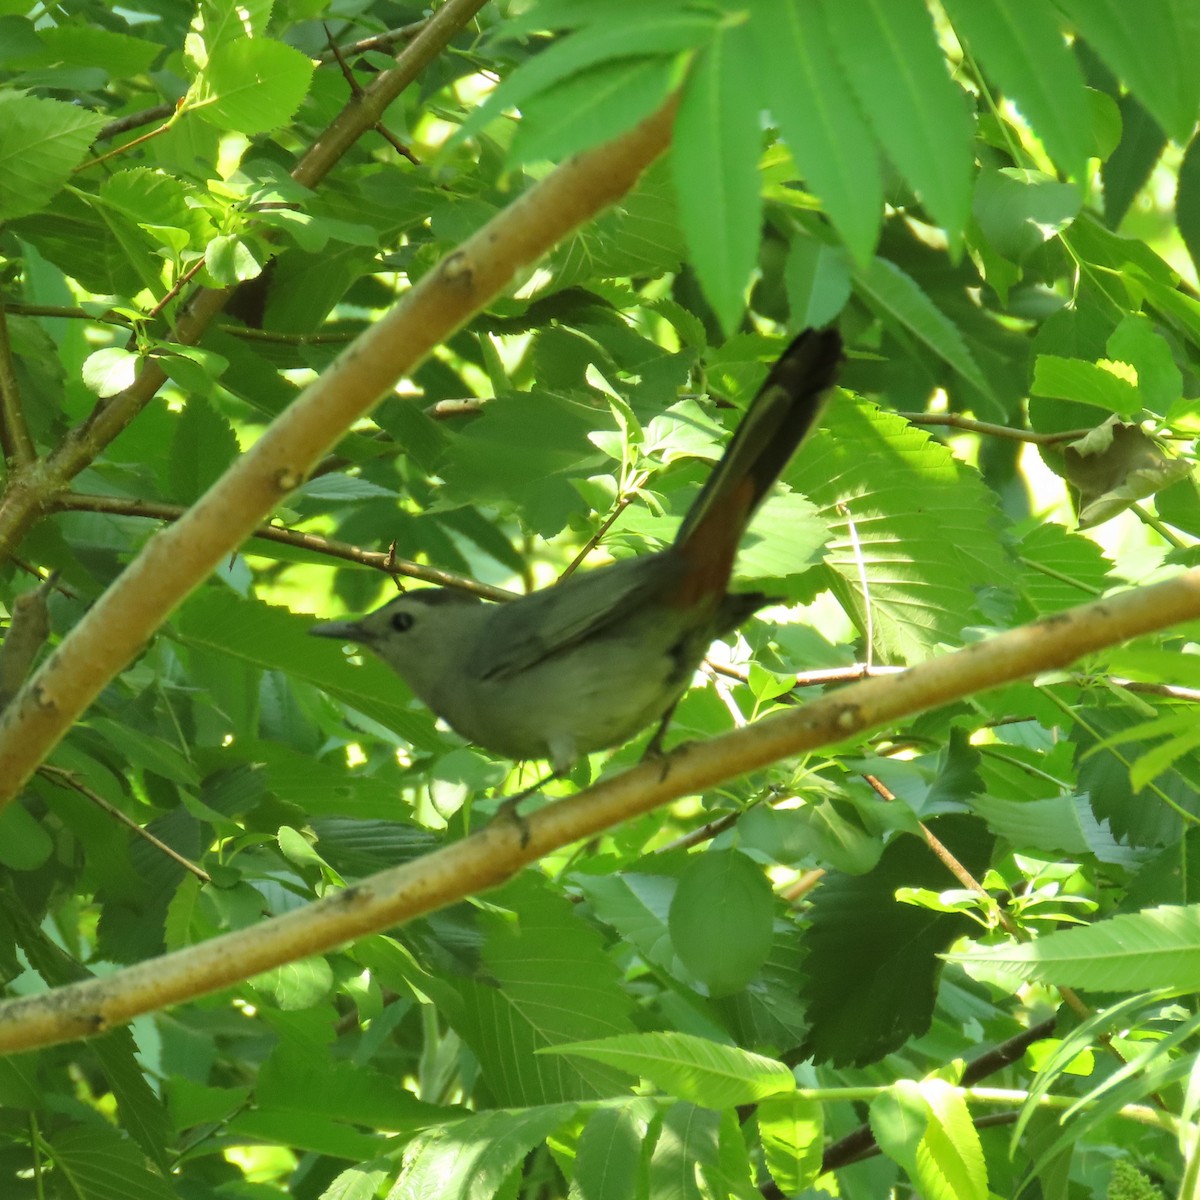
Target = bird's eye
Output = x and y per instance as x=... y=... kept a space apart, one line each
x=402 y=622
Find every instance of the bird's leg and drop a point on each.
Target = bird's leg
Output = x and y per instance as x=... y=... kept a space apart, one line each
x=654 y=747
x=509 y=809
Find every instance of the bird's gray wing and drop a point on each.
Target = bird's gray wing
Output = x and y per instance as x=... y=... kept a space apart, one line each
x=527 y=631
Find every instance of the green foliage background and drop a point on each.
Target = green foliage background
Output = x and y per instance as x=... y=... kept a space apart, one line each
x=999 y=205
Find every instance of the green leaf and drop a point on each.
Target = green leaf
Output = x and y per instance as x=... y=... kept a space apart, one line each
x=610 y=1155
x=821 y=122
x=646 y=30
x=1127 y=169
x=317 y=1135
x=902 y=304
x=149 y=752
x=41 y=143
x=251 y=85
x=296 y=986
x=1019 y=210
x=547 y=981
x=1136 y=341
x=791 y=1128
x=890 y=53
x=231 y=260
x=1149 y=766
x=1153 y=47
x=949 y=1159
x=687 y=1147
x=1021 y=45
x=1187 y=200
x=117 y=54
x=203 y=446
x=1156 y=948
x=110 y=370
x=156 y=202
x=640 y=235
x=350 y=1092
x=871 y=970
x=473 y=1159
x=818 y=282
x=361 y=1182
x=590 y=107
x=97 y=1162
x=24 y=844
x=899 y=1118
x=714 y=158
x=721 y=919
x=922 y=527
x=691 y=1068
x=1060 y=569
x=1085 y=383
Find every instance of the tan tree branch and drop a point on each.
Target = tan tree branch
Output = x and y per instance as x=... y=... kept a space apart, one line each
x=178 y=558
x=489 y=857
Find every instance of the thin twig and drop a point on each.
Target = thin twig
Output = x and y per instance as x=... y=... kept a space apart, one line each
x=955 y=421
x=1169 y=690
x=381 y=41
x=1169 y=536
x=17 y=445
x=705 y=833
x=50 y=578
x=145 y=116
x=806 y=679
x=66 y=779
x=176 y=111
x=445 y=409
x=621 y=505
x=948 y=859
x=378 y=560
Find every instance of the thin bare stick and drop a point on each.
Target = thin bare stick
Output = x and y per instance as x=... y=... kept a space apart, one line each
x=621 y=505
x=145 y=116
x=1168 y=691
x=955 y=421
x=379 y=560
x=381 y=41
x=66 y=779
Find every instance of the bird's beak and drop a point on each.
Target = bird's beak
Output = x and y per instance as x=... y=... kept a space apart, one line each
x=346 y=631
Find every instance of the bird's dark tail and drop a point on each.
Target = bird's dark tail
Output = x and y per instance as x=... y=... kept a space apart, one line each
x=779 y=416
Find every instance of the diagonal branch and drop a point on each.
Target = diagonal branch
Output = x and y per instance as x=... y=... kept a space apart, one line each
x=30 y=493
x=178 y=559
x=494 y=854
